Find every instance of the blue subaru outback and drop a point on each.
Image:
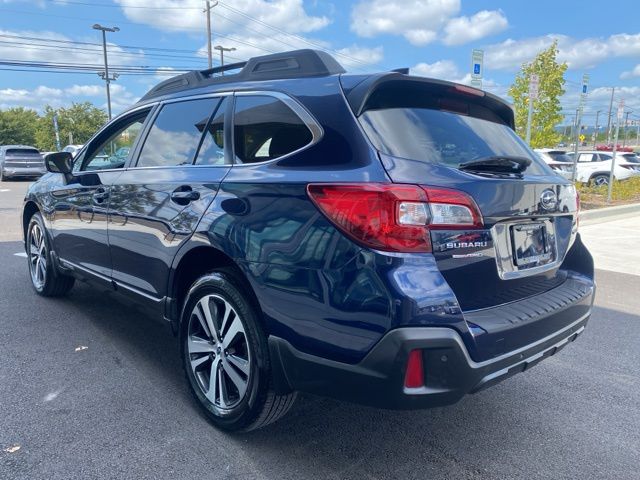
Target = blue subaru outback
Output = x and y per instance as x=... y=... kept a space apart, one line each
x=383 y=239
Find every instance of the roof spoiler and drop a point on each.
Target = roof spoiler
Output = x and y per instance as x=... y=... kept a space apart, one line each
x=359 y=94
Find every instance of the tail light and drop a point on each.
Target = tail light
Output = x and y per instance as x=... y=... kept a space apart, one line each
x=394 y=217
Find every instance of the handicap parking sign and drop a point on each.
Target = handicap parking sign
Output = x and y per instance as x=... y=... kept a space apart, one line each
x=476 y=69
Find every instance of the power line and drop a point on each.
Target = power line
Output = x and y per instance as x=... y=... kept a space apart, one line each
x=87 y=4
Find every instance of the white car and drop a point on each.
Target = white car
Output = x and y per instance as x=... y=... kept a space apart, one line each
x=558 y=160
x=594 y=166
x=72 y=149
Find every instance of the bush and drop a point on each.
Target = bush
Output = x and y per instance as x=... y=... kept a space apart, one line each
x=625 y=191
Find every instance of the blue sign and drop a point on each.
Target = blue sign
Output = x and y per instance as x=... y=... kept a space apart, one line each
x=584 y=89
x=476 y=69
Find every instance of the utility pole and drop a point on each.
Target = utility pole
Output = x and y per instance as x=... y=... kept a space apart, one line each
x=624 y=128
x=595 y=133
x=207 y=10
x=613 y=89
x=222 y=50
x=613 y=152
x=106 y=76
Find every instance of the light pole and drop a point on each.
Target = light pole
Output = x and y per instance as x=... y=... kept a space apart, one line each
x=222 y=50
x=207 y=10
x=106 y=77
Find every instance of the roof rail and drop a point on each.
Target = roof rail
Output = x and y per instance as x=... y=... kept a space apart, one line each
x=209 y=72
x=285 y=65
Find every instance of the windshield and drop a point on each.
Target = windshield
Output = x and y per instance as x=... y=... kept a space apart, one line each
x=560 y=156
x=443 y=137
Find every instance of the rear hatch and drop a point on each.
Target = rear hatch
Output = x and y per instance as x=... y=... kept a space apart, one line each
x=443 y=135
x=23 y=157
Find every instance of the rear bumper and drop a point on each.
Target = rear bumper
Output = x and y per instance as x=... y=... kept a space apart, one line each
x=24 y=171
x=378 y=380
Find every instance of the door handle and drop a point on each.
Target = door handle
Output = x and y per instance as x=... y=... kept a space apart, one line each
x=184 y=195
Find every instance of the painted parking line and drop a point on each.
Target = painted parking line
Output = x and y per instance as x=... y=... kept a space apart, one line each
x=2 y=190
x=21 y=254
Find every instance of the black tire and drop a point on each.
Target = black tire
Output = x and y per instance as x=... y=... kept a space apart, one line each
x=600 y=180
x=3 y=177
x=259 y=405
x=45 y=279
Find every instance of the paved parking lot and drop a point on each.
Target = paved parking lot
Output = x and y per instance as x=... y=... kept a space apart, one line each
x=119 y=408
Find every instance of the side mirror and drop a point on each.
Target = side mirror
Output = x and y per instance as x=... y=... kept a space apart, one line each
x=59 y=162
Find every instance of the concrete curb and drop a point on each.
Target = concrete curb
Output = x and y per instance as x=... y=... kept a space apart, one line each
x=609 y=213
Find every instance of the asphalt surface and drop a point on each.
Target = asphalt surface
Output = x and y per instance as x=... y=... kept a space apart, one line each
x=120 y=408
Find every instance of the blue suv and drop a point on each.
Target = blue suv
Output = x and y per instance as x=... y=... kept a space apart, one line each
x=384 y=239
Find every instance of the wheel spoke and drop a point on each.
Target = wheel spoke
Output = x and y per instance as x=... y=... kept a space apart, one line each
x=213 y=328
x=33 y=249
x=212 y=392
x=42 y=268
x=234 y=329
x=200 y=345
x=238 y=381
x=240 y=363
x=222 y=387
x=228 y=311
x=199 y=361
x=203 y=322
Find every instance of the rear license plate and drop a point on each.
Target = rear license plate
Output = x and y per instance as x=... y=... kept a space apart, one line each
x=529 y=241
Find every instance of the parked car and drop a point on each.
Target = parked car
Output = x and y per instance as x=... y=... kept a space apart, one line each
x=20 y=161
x=609 y=148
x=594 y=166
x=72 y=149
x=383 y=238
x=558 y=160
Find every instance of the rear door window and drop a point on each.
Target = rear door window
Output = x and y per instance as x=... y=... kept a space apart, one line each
x=212 y=148
x=176 y=133
x=265 y=128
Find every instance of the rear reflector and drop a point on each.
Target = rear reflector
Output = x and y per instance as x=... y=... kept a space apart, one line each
x=414 y=377
x=394 y=217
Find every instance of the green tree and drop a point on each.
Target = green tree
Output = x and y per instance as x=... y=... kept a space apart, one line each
x=18 y=126
x=546 y=109
x=76 y=123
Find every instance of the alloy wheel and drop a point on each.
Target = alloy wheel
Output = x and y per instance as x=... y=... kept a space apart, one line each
x=37 y=256
x=601 y=180
x=218 y=351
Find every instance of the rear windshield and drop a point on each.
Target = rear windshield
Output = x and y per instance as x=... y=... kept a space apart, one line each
x=22 y=151
x=443 y=137
x=631 y=157
x=560 y=156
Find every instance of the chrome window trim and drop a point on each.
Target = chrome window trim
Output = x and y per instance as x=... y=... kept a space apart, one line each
x=149 y=106
x=158 y=110
x=303 y=114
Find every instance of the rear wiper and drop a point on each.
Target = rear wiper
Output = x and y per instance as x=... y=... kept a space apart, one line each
x=498 y=164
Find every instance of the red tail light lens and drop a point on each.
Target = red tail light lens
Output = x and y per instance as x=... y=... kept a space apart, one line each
x=394 y=217
x=414 y=377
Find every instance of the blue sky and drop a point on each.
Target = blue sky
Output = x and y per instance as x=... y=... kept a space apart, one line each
x=434 y=38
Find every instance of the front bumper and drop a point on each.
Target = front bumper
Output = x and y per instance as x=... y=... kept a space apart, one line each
x=378 y=380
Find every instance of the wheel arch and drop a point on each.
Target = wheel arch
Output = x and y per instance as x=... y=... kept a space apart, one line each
x=29 y=210
x=194 y=263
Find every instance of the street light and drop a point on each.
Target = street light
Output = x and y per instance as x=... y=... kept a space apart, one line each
x=222 y=50
x=106 y=76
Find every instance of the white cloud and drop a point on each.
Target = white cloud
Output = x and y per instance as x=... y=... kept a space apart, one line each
x=43 y=95
x=632 y=73
x=417 y=20
x=444 y=69
x=356 y=56
x=579 y=54
x=181 y=15
x=461 y=30
x=423 y=21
